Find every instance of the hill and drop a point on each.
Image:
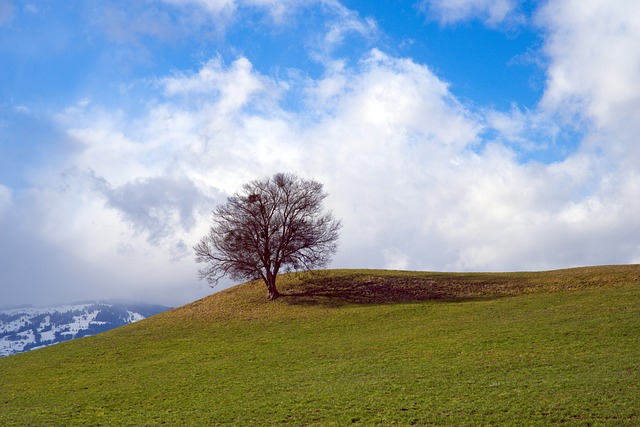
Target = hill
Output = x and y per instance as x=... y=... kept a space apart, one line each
x=356 y=347
x=26 y=328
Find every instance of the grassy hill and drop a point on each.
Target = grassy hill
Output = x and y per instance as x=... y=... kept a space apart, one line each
x=356 y=347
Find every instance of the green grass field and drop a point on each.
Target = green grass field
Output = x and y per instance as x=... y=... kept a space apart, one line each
x=356 y=347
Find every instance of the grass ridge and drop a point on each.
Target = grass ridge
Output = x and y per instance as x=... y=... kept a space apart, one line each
x=356 y=347
x=335 y=288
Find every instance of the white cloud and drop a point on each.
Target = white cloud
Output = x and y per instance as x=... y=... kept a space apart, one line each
x=491 y=12
x=344 y=22
x=395 y=259
x=85 y=250
x=404 y=162
x=394 y=100
x=161 y=207
x=593 y=80
x=594 y=59
x=235 y=87
x=532 y=133
x=397 y=152
x=137 y=193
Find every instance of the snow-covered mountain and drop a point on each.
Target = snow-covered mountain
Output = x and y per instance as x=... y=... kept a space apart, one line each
x=28 y=328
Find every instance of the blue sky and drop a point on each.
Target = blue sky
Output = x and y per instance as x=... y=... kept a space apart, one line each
x=451 y=135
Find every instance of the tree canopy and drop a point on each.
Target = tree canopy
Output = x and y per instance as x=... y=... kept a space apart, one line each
x=271 y=225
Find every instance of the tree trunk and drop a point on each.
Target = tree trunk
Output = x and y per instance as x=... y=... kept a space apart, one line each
x=271 y=287
x=273 y=293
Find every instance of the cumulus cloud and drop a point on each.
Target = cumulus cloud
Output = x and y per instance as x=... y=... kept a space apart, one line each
x=343 y=22
x=491 y=12
x=419 y=179
x=393 y=98
x=401 y=157
x=594 y=59
x=379 y=145
x=532 y=133
x=425 y=186
x=235 y=87
x=139 y=191
x=64 y=243
x=593 y=72
x=162 y=207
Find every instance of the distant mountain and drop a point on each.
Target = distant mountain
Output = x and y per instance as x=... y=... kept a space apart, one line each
x=26 y=328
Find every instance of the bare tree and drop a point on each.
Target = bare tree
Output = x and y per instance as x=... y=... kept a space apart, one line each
x=272 y=225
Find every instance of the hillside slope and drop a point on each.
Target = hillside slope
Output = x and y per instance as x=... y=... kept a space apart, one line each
x=356 y=347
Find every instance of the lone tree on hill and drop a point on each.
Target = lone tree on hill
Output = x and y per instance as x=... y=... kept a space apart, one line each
x=274 y=224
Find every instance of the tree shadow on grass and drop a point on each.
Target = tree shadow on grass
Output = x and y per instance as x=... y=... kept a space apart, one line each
x=339 y=290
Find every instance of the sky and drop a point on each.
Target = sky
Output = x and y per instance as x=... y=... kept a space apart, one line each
x=450 y=135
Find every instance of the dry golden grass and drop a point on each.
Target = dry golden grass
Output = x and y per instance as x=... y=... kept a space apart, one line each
x=333 y=288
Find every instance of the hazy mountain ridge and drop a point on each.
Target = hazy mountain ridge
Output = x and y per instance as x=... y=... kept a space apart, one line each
x=26 y=328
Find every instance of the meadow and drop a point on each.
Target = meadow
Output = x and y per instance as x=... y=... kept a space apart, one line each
x=356 y=347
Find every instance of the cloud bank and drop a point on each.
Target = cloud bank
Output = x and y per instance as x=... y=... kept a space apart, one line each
x=420 y=179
